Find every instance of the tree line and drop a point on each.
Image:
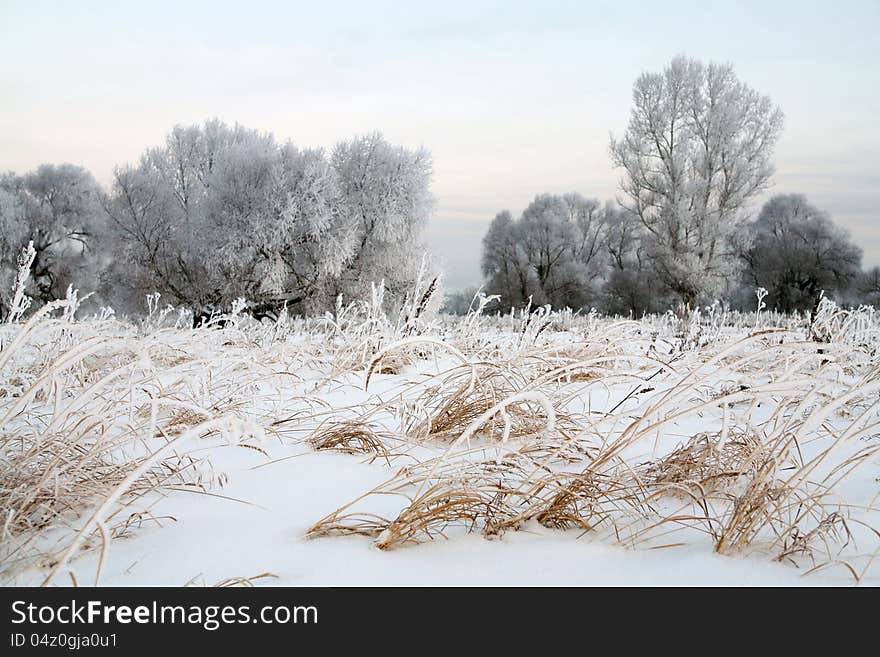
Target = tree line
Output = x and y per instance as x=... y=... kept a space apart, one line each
x=219 y=212
x=697 y=150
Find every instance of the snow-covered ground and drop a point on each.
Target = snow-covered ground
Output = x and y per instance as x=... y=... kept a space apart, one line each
x=214 y=540
x=555 y=435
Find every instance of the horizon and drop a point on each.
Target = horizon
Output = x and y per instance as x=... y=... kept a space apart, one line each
x=510 y=103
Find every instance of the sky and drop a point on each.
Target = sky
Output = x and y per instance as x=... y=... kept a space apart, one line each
x=511 y=98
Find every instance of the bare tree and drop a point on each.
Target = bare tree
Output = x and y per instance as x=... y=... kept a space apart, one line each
x=696 y=151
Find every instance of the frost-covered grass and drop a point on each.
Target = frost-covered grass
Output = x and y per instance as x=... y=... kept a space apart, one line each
x=707 y=447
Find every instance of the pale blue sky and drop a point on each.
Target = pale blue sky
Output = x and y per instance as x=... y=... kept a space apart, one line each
x=512 y=98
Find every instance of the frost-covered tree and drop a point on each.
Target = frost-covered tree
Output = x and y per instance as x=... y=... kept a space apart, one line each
x=505 y=264
x=554 y=253
x=222 y=212
x=461 y=302
x=13 y=235
x=621 y=237
x=207 y=217
x=697 y=149
x=242 y=215
x=797 y=252
x=383 y=200
x=550 y=240
x=589 y=218
x=57 y=208
x=297 y=247
x=144 y=220
x=630 y=287
x=867 y=287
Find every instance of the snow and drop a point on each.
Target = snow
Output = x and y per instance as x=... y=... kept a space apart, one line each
x=275 y=486
x=215 y=539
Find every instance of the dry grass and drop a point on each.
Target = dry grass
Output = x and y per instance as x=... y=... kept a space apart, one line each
x=706 y=467
x=349 y=438
x=643 y=434
x=764 y=481
x=92 y=434
x=448 y=408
